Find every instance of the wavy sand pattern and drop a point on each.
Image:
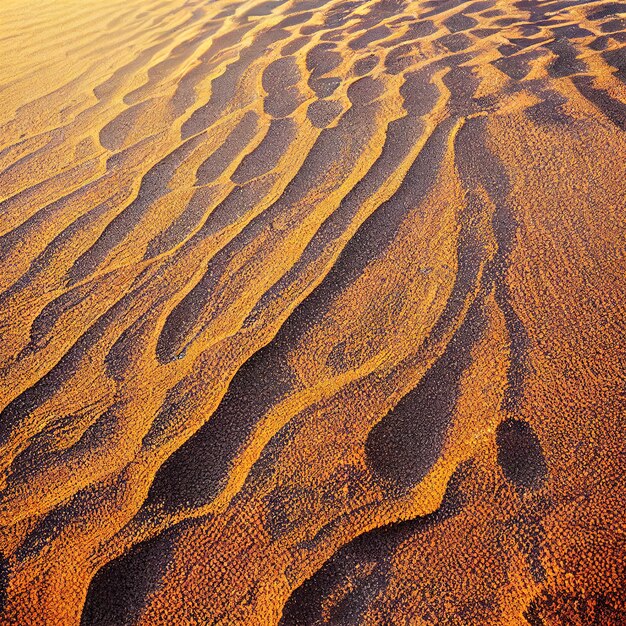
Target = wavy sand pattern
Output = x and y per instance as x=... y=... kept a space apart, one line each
x=312 y=312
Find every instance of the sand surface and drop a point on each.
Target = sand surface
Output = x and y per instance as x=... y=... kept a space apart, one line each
x=312 y=312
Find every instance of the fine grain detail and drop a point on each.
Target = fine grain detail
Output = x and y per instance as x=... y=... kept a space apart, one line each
x=312 y=312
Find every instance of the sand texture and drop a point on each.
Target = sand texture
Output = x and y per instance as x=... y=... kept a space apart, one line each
x=312 y=312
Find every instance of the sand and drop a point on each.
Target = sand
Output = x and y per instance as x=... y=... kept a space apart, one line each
x=312 y=312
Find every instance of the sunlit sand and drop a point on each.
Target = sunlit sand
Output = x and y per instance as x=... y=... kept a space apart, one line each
x=312 y=312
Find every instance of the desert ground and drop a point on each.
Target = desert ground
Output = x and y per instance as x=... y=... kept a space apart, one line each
x=312 y=312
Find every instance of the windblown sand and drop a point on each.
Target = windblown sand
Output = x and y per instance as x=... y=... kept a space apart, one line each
x=312 y=312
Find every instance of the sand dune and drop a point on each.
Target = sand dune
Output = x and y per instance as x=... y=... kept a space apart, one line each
x=312 y=312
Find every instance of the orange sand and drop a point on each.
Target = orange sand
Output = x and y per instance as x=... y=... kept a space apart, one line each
x=312 y=312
